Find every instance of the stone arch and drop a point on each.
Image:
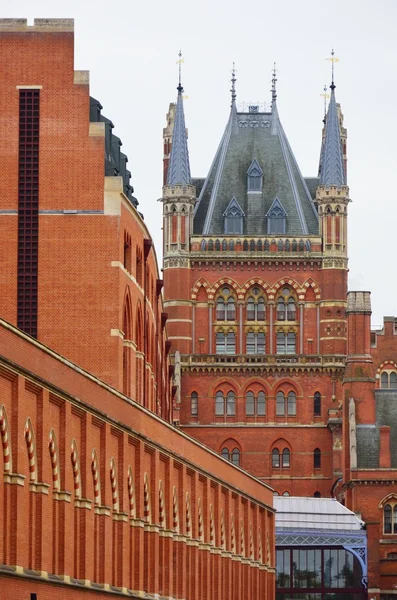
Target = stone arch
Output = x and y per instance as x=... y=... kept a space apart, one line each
x=280 y=443
x=389 y=498
x=31 y=448
x=255 y=281
x=287 y=384
x=199 y=284
x=286 y=281
x=227 y=282
x=310 y=283
x=53 y=448
x=5 y=440
x=74 y=456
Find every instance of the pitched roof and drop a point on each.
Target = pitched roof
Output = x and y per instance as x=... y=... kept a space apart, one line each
x=179 y=166
x=255 y=136
x=332 y=171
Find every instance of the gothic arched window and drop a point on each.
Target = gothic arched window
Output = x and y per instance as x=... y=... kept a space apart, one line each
x=286 y=458
x=233 y=217
x=194 y=404
x=317 y=458
x=254 y=177
x=317 y=404
x=276 y=458
x=236 y=456
x=276 y=218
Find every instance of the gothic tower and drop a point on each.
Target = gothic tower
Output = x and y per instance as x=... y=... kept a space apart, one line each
x=255 y=288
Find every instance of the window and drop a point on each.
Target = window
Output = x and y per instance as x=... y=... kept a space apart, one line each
x=317 y=404
x=286 y=458
x=259 y=402
x=390 y=517
x=317 y=458
x=275 y=458
x=255 y=342
x=276 y=218
x=286 y=306
x=194 y=404
x=236 y=456
x=256 y=306
x=233 y=218
x=286 y=342
x=219 y=404
x=317 y=495
x=285 y=405
x=254 y=177
x=388 y=380
x=225 y=453
x=225 y=405
x=286 y=493
x=225 y=306
x=127 y=252
x=225 y=342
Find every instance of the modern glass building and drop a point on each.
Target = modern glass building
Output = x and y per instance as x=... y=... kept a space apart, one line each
x=321 y=550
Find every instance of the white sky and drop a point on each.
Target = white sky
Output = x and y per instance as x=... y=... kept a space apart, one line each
x=130 y=49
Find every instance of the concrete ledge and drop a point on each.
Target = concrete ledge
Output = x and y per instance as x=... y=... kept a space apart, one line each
x=59 y=25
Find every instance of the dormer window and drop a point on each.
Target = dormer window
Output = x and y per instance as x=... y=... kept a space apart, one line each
x=254 y=177
x=276 y=218
x=233 y=216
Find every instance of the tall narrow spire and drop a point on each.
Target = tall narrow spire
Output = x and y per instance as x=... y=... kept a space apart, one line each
x=274 y=81
x=233 y=88
x=179 y=165
x=332 y=168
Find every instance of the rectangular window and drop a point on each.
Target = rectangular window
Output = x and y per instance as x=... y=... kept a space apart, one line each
x=291 y=343
x=28 y=210
x=261 y=343
x=220 y=343
x=280 y=406
x=280 y=343
x=250 y=342
x=230 y=343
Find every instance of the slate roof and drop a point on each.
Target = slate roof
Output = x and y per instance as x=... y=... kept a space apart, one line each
x=368 y=438
x=179 y=166
x=332 y=171
x=259 y=136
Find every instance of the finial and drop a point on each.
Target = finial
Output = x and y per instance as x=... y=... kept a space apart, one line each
x=179 y=62
x=325 y=96
x=274 y=81
x=233 y=88
x=333 y=60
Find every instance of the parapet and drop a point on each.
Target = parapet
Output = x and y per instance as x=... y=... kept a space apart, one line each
x=359 y=302
x=39 y=25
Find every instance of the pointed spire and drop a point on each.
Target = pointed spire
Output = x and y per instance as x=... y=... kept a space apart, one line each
x=332 y=168
x=274 y=81
x=179 y=165
x=233 y=88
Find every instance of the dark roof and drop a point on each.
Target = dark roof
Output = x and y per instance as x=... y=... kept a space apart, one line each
x=259 y=136
x=179 y=166
x=368 y=438
x=332 y=171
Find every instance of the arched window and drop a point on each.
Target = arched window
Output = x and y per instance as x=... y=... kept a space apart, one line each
x=317 y=458
x=203 y=245
x=317 y=404
x=387 y=519
x=286 y=493
x=275 y=458
x=230 y=404
x=384 y=380
x=194 y=404
x=217 y=245
x=219 y=404
x=291 y=404
x=236 y=456
x=317 y=495
x=250 y=404
x=211 y=245
x=280 y=404
x=286 y=458
x=255 y=306
x=286 y=306
x=388 y=380
x=224 y=245
x=225 y=453
x=261 y=404
x=225 y=306
x=255 y=342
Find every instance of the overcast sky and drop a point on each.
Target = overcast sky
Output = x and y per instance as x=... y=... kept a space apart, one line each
x=130 y=49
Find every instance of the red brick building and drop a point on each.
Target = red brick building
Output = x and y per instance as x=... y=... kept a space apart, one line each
x=269 y=345
x=100 y=495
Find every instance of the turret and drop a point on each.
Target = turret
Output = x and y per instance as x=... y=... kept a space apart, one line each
x=179 y=198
